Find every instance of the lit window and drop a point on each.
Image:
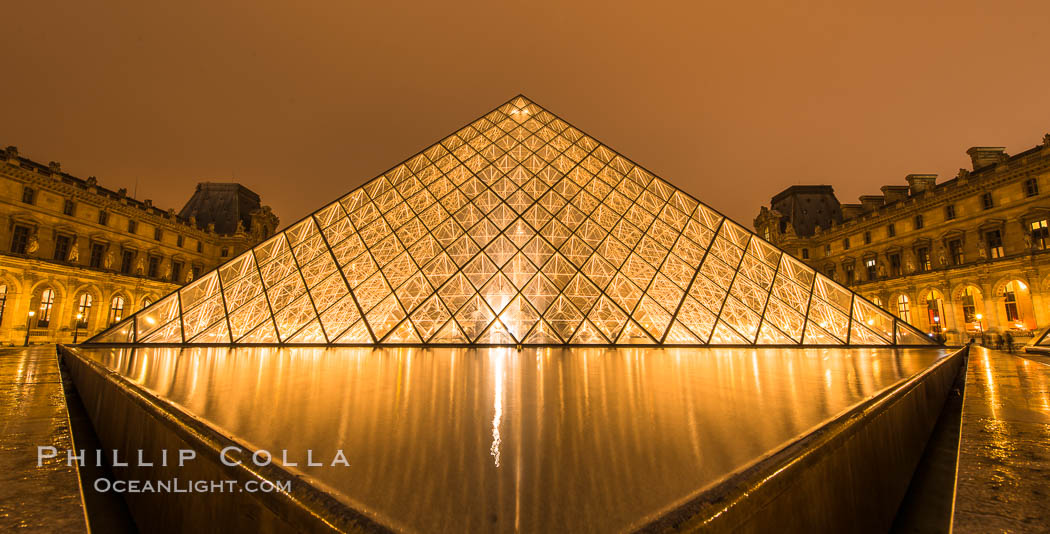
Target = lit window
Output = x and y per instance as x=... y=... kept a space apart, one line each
x=903 y=306
x=47 y=301
x=934 y=312
x=116 y=309
x=1040 y=234
x=922 y=255
x=83 y=309
x=1010 y=301
x=869 y=265
x=994 y=239
x=827 y=249
x=969 y=305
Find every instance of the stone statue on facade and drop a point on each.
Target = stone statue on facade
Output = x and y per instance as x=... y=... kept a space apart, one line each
x=189 y=275
x=1028 y=241
x=882 y=271
x=33 y=245
x=107 y=260
x=941 y=256
x=140 y=266
x=167 y=271
x=74 y=251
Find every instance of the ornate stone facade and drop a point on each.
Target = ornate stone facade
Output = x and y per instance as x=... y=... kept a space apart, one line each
x=964 y=257
x=69 y=246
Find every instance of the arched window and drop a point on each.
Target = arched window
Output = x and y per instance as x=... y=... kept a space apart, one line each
x=146 y=302
x=83 y=308
x=969 y=305
x=934 y=312
x=1010 y=300
x=116 y=309
x=877 y=301
x=3 y=301
x=47 y=301
x=903 y=306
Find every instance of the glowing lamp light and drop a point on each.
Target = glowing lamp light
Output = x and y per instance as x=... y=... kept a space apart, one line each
x=80 y=316
x=151 y=321
x=32 y=313
x=936 y=319
x=979 y=317
x=1021 y=285
x=871 y=322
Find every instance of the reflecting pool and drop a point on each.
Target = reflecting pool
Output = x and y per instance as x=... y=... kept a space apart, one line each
x=481 y=440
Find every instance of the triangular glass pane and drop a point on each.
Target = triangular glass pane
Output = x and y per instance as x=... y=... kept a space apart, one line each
x=404 y=333
x=496 y=334
x=450 y=333
x=873 y=318
x=542 y=334
x=861 y=335
x=633 y=334
x=680 y=335
x=908 y=335
x=724 y=335
x=311 y=333
x=356 y=334
x=217 y=333
x=264 y=333
x=769 y=335
x=588 y=334
x=816 y=335
x=169 y=333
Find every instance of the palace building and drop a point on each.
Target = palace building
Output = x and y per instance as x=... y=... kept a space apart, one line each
x=76 y=257
x=960 y=258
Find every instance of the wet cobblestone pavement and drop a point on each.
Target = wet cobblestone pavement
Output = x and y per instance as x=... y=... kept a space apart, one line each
x=33 y=413
x=1003 y=482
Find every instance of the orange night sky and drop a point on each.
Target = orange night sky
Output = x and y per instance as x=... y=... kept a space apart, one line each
x=731 y=101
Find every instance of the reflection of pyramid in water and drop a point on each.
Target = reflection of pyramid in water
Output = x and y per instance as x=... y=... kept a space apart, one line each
x=517 y=229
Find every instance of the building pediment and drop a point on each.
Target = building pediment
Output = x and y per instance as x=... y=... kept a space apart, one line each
x=991 y=224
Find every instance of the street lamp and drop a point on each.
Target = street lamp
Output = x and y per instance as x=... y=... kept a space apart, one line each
x=29 y=324
x=76 y=327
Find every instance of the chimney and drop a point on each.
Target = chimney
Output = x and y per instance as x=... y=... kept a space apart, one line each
x=850 y=211
x=871 y=202
x=921 y=182
x=893 y=193
x=983 y=156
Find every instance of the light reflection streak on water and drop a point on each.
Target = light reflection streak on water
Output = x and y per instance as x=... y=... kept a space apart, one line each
x=499 y=359
x=585 y=440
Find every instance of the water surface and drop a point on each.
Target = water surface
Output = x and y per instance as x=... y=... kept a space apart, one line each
x=541 y=440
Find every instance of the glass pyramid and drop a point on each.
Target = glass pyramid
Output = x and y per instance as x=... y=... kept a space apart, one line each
x=518 y=229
